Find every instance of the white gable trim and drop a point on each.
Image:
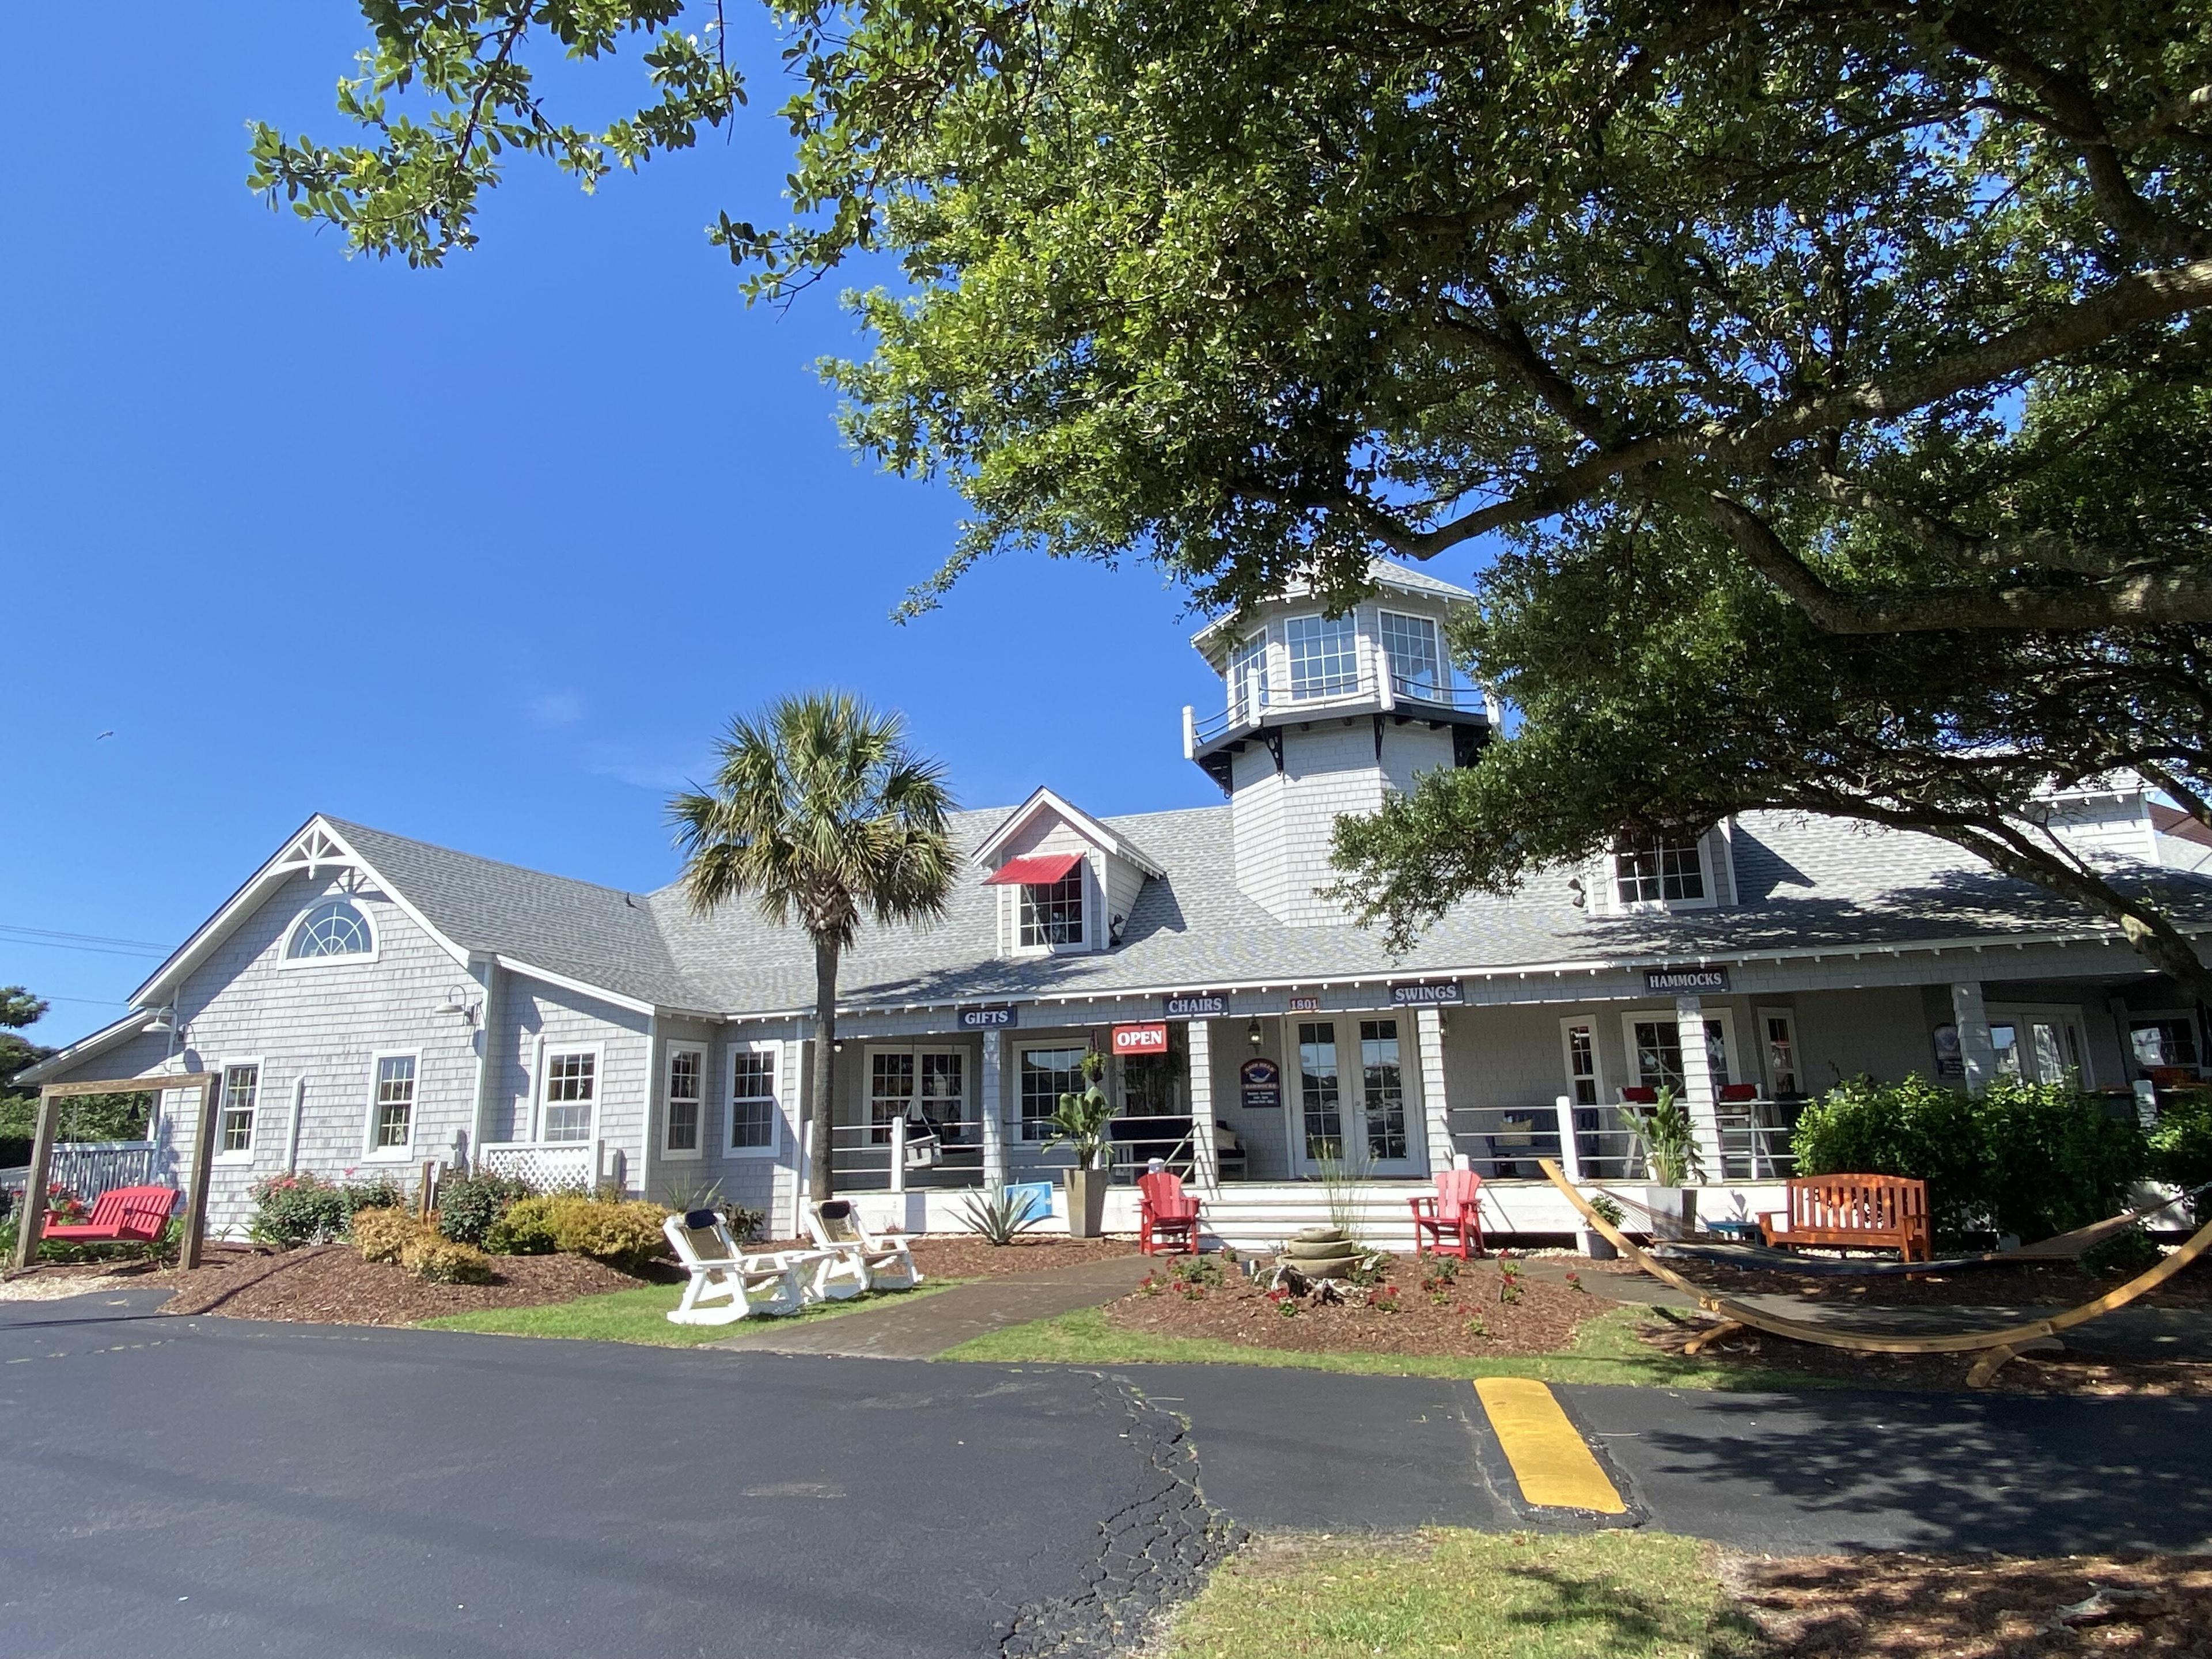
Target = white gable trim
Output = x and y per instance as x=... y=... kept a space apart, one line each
x=582 y=987
x=69 y=1059
x=317 y=846
x=1075 y=817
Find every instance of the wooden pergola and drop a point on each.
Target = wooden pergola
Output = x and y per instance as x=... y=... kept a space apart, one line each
x=42 y=1147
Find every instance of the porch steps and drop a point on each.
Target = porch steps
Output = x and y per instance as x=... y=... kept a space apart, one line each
x=1260 y=1215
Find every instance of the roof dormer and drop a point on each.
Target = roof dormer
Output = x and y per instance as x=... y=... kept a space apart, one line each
x=1656 y=875
x=1067 y=884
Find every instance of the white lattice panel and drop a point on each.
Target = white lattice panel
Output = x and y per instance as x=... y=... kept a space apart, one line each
x=546 y=1165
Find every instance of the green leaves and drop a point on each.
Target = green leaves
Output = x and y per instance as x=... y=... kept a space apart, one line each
x=414 y=190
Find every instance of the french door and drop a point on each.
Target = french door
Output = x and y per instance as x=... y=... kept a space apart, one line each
x=1354 y=1101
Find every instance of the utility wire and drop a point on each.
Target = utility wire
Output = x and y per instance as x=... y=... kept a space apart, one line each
x=96 y=944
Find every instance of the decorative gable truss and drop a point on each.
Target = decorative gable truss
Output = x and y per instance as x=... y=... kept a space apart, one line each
x=1066 y=884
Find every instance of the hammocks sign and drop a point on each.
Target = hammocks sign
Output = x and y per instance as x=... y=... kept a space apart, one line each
x=1679 y=981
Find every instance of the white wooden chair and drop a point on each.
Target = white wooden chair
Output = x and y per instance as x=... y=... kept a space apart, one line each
x=727 y=1284
x=882 y=1262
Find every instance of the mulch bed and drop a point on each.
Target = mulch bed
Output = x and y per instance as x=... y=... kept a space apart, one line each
x=1924 y=1606
x=331 y=1284
x=965 y=1255
x=1441 y=1320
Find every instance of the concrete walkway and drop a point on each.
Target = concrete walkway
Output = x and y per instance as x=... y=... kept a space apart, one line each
x=926 y=1326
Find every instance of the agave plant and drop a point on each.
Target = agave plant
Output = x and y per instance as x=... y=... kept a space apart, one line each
x=999 y=1215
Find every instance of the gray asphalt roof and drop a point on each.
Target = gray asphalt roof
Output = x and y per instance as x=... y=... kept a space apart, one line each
x=1804 y=884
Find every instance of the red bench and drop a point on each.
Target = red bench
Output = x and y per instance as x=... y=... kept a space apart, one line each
x=1853 y=1212
x=135 y=1214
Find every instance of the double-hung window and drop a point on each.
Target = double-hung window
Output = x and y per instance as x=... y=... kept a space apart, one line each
x=1660 y=873
x=752 y=1101
x=1324 y=655
x=1052 y=914
x=686 y=1096
x=1584 y=1082
x=241 y=1095
x=1655 y=1045
x=572 y=1093
x=1417 y=667
x=391 y=1107
x=1046 y=1075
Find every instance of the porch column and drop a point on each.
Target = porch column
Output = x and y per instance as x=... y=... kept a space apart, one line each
x=1698 y=1094
x=1977 y=1054
x=994 y=1109
x=1436 y=1106
x=1204 y=1158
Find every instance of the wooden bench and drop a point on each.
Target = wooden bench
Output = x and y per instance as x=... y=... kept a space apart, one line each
x=134 y=1213
x=1853 y=1212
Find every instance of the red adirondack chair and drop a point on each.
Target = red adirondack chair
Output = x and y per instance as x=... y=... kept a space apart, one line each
x=136 y=1213
x=1167 y=1217
x=1451 y=1222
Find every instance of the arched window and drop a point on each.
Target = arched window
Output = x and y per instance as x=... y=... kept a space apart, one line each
x=333 y=928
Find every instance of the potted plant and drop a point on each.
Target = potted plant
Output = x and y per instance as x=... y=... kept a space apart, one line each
x=1596 y=1245
x=1079 y=1121
x=1669 y=1146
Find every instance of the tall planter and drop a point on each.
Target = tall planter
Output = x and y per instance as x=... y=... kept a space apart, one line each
x=1086 y=1202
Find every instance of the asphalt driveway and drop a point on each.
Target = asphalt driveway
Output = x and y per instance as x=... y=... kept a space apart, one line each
x=212 y=1487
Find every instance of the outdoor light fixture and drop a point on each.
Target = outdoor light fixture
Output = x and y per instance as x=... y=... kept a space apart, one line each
x=1254 y=1035
x=163 y=1020
x=457 y=1002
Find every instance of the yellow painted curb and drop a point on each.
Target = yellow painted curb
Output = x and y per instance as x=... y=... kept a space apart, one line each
x=1555 y=1467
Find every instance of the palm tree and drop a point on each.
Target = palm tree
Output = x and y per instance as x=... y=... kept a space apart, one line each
x=821 y=813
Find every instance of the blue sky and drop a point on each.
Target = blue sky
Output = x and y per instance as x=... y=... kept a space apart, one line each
x=485 y=555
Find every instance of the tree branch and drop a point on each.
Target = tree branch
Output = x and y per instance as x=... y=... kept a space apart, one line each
x=2148 y=296
x=2136 y=600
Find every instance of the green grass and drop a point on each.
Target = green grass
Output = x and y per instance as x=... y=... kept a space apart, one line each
x=1468 y=1595
x=641 y=1315
x=1605 y=1350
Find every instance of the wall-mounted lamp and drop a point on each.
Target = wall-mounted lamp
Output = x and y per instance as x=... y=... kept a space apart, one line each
x=1255 y=1034
x=164 y=1019
x=1576 y=892
x=1114 y=930
x=457 y=1002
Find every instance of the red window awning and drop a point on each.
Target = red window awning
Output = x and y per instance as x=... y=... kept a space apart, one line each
x=1042 y=871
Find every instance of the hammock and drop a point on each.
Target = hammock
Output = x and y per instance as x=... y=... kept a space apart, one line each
x=1995 y=1345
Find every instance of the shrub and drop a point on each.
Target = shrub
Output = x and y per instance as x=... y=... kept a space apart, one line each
x=382 y=1235
x=431 y=1255
x=526 y=1229
x=2028 y=1159
x=292 y=1210
x=624 y=1235
x=2127 y=1252
x=1915 y=1128
x=470 y=1205
x=2054 y=1159
x=2181 y=1144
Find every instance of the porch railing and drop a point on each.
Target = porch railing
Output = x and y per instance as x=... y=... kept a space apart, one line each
x=549 y=1165
x=1505 y=1144
x=898 y=1157
x=89 y=1168
x=1371 y=679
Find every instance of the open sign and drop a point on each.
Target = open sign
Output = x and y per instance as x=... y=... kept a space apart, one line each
x=1149 y=1038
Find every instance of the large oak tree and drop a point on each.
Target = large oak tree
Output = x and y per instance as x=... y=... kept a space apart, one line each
x=1829 y=376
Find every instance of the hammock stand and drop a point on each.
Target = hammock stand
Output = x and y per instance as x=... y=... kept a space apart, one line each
x=1996 y=1347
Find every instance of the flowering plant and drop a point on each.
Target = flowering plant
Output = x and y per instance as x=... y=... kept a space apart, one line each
x=63 y=1206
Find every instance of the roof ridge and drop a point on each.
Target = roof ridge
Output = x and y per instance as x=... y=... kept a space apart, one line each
x=348 y=827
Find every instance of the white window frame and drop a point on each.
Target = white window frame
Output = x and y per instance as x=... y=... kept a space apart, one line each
x=287 y=963
x=223 y=1069
x=552 y=1052
x=1021 y=1052
x=1567 y=1025
x=1094 y=900
x=2019 y=1015
x=370 y=1152
x=927 y=1050
x=1616 y=905
x=2163 y=1016
x=1245 y=676
x=1766 y=1078
x=1349 y=622
x=777 y=1066
x=1440 y=685
x=697 y=1149
x=1631 y=1078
